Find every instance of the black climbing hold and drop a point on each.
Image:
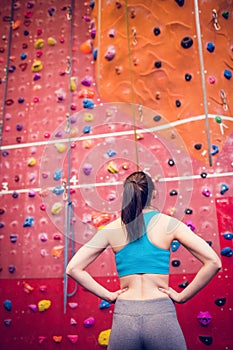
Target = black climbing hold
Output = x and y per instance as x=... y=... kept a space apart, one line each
x=176 y=263
x=184 y=284
x=171 y=162
x=188 y=77
x=225 y=14
x=173 y=193
x=180 y=2
x=186 y=42
x=204 y=175
x=206 y=339
x=198 y=146
x=158 y=64
x=188 y=211
x=156 y=31
x=220 y=301
x=157 y=118
x=178 y=103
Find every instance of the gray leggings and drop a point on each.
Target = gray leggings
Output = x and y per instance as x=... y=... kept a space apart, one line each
x=146 y=325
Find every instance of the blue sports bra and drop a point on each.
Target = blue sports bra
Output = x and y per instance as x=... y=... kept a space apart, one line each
x=142 y=256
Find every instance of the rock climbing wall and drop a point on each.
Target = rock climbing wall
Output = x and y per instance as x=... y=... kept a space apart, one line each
x=91 y=91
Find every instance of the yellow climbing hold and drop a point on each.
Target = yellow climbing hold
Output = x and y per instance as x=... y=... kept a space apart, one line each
x=73 y=86
x=51 y=41
x=37 y=66
x=61 y=147
x=39 y=44
x=32 y=161
x=103 y=338
x=88 y=117
x=44 y=305
x=112 y=167
x=56 y=208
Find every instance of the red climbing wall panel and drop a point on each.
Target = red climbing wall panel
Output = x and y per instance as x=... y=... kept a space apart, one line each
x=88 y=91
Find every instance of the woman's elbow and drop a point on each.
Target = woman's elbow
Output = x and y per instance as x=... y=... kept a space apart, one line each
x=70 y=270
x=217 y=264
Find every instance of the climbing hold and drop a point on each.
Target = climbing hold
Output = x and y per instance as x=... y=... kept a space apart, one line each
x=103 y=338
x=175 y=245
x=43 y=288
x=112 y=167
x=206 y=340
x=157 y=118
x=176 y=263
x=178 y=103
x=156 y=31
x=188 y=211
x=158 y=64
x=188 y=77
x=111 y=153
x=39 y=44
x=87 y=81
x=89 y=322
x=204 y=318
x=73 y=85
x=95 y=54
x=112 y=33
x=215 y=150
x=13 y=238
x=203 y=175
x=73 y=322
x=37 y=66
x=99 y=219
x=57 y=251
x=58 y=190
x=87 y=168
x=7 y=322
x=28 y=222
x=227 y=251
x=33 y=307
x=43 y=207
x=11 y=268
x=31 y=194
x=220 y=301
x=224 y=188
x=15 y=195
x=110 y=53
x=73 y=338
x=57 y=174
x=57 y=338
x=206 y=192
x=19 y=127
x=212 y=79
x=56 y=208
x=186 y=42
x=23 y=56
x=183 y=284
x=210 y=47
x=228 y=235
x=51 y=11
x=190 y=225
x=7 y=305
x=86 y=47
x=227 y=74
x=27 y=288
x=86 y=92
x=180 y=2
x=86 y=129
x=61 y=147
x=43 y=237
x=73 y=305
x=88 y=103
x=44 y=305
x=104 y=304
x=51 y=41
x=171 y=162
x=225 y=14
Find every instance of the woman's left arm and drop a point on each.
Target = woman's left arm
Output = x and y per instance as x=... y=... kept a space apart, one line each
x=85 y=256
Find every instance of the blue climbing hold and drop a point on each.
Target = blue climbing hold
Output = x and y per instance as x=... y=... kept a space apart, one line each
x=7 y=305
x=227 y=251
x=224 y=188
x=111 y=153
x=95 y=53
x=210 y=47
x=88 y=103
x=215 y=150
x=228 y=235
x=227 y=74
x=57 y=174
x=86 y=129
x=13 y=238
x=58 y=190
x=175 y=245
x=104 y=304
x=28 y=222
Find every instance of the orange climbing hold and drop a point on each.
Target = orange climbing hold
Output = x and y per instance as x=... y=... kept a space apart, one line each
x=99 y=219
x=57 y=338
x=16 y=25
x=85 y=92
x=86 y=47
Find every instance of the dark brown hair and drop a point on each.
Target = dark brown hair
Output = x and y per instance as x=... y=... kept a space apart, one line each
x=137 y=194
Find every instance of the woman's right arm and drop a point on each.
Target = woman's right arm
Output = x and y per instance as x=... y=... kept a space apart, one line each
x=211 y=263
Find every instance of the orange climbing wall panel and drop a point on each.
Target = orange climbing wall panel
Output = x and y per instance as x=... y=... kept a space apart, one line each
x=78 y=80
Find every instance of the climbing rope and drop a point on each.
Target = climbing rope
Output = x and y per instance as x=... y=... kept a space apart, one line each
x=197 y=19
x=131 y=78
x=7 y=68
x=69 y=227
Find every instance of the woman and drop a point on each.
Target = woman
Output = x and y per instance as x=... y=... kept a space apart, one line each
x=144 y=312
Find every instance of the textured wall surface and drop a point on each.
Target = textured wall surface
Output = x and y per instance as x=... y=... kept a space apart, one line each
x=91 y=91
